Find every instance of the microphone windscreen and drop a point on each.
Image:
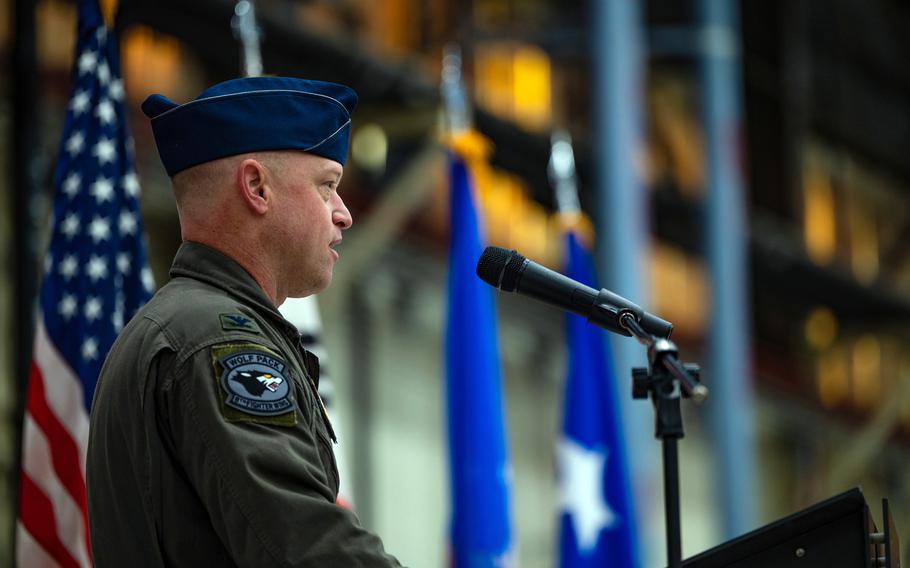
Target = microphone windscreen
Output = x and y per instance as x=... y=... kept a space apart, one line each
x=492 y=263
x=511 y=274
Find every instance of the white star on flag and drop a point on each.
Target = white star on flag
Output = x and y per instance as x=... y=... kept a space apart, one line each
x=131 y=184
x=115 y=89
x=68 y=266
x=92 y=309
x=72 y=184
x=105 y=112
x=80 y=102
x=105 y=151
x=75 y=143
x=67 y=306
x=123 y=262
x=581 y=492
x=90 y=349
x=127 y=223
x=103 y=189
x=97 y=268
x=70 y=225
x=87 y=62
x=117 y=319
x=99 y=229
x=505 y=560
x=148 y=280
x=104 y=73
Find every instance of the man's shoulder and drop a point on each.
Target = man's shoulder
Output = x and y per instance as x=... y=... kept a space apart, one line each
x=189 y=312
x=185 y=298
x=185 y=304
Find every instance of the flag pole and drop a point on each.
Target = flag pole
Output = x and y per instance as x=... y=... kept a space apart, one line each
x=455 y=101
x=25 y=200
x=248 y=33
x=562 y=173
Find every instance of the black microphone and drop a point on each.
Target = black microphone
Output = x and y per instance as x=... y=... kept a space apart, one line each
x=511 y=272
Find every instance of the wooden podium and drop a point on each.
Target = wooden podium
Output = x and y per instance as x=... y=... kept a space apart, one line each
x=836 y=533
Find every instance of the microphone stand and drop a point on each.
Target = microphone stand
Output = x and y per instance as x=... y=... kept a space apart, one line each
x=665 y=381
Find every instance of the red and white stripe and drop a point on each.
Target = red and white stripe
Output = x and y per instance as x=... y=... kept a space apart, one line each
x=52 y=528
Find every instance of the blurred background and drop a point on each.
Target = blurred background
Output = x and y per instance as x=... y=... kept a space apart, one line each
x=798 y=108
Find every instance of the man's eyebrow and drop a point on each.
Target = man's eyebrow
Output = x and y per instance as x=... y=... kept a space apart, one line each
x=334 y=172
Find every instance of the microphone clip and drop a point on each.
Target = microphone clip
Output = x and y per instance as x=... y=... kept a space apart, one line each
x=663 y=360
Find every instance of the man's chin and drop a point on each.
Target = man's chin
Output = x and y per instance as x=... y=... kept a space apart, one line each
x=314 y=288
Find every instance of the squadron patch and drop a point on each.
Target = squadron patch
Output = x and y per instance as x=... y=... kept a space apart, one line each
x=255 y=385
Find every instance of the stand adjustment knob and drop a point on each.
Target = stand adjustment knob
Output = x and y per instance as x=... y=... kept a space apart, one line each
x=641 y=382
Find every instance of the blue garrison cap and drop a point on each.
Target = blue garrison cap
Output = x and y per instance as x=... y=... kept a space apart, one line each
x=252 y=114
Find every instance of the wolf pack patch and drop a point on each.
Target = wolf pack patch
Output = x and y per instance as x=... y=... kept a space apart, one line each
x=254 y=383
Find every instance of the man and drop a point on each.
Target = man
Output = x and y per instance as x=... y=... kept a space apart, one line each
x=209 y=445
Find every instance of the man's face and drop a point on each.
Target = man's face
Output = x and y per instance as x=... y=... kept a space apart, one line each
x=310 y=216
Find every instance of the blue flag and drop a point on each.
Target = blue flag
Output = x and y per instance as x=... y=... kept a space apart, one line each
x=96 y=276
x=481 y=535
x=597 y=526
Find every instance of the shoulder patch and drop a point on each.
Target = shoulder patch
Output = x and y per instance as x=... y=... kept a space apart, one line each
x=238 y=321
x=254 y=382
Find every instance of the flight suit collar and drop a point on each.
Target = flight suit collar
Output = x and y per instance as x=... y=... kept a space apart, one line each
x=201 y=262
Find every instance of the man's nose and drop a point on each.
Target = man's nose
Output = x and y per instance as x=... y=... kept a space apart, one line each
x=341 y=216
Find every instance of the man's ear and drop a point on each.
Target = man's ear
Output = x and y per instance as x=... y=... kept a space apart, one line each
x=254 y=186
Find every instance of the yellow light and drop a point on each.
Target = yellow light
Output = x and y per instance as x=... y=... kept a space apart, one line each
x=867 y=363
x=514 y=81
x=833 y=377
x=150 y=64
x=493 y=77
x=863 y=238
x=393 y=26
x=679 y=289
x=56 y=23
x=370 y=147
x=821 y=328
x=109 y=11
x=531 y=87
x=675 y=139
x=819 y=218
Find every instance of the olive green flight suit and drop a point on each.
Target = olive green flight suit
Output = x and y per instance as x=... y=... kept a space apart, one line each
x=209 y=445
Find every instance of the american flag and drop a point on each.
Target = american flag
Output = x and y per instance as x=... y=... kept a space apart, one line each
x=96 y=276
